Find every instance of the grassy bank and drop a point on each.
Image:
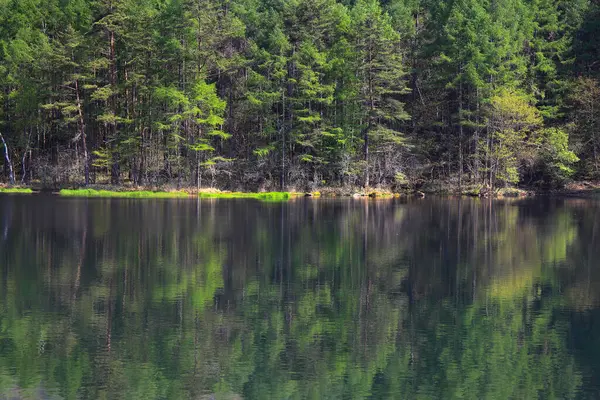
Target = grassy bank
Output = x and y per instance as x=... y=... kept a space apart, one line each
x=577 y=189
x=266 y=196
x=16 y=190
x=123 y=194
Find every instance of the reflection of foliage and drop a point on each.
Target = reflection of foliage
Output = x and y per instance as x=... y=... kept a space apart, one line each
x=497 y=349
x=152 y=300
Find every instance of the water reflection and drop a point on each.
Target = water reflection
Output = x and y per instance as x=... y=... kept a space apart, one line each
x=433 y=298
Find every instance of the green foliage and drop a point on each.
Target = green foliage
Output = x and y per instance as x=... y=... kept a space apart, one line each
x=16 y=190
x=556 y=157
x=512 y=118
x=102 y=94
x=102 y=158
x=292 y=93
x=121 y=194
x=584 y=99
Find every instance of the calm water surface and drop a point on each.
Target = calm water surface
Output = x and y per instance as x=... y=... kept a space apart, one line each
x=319 y=299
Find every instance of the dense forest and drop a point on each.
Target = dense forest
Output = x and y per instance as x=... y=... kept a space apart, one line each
x=260 y=94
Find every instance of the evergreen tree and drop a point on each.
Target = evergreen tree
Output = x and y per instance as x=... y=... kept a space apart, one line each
x=380 y=78
x=265 y=94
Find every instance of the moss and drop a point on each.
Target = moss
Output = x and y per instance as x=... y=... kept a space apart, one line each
x=266 y=196
x=124 y=194
x=16 y=190
x=475 y=192
x=380 y=194
x=512 y=192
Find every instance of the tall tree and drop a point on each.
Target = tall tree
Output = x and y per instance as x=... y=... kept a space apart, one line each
x=380 y=78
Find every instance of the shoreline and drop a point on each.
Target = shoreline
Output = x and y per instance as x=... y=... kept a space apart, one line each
x=110 y=191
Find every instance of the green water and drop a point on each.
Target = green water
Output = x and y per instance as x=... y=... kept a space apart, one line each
x=315 y=298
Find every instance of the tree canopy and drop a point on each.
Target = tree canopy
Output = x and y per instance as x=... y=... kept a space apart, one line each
x=298 y=94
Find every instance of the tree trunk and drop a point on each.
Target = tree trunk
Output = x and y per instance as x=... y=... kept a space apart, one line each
x=24 y=159
x=475 y=148
x=282 y=176
x=460 y=138
x=115 y=168
x=82 y=132
x=371 y=116
x=366 y=154
x=24 y=167
x=11 y=172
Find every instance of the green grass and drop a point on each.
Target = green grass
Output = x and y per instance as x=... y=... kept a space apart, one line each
x=267 y=196
x=16 y=190
x=124 y=194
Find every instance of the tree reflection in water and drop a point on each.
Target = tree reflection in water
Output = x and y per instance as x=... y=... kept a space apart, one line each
x=436 y=298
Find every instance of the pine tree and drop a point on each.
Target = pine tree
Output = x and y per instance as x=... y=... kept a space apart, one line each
x=380 y=78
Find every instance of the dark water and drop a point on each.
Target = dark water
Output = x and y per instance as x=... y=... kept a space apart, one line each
x=320 y=299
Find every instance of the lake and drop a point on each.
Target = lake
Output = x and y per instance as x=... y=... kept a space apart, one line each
x=310 y=299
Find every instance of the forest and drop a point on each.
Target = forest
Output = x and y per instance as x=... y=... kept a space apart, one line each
x=300 y=94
